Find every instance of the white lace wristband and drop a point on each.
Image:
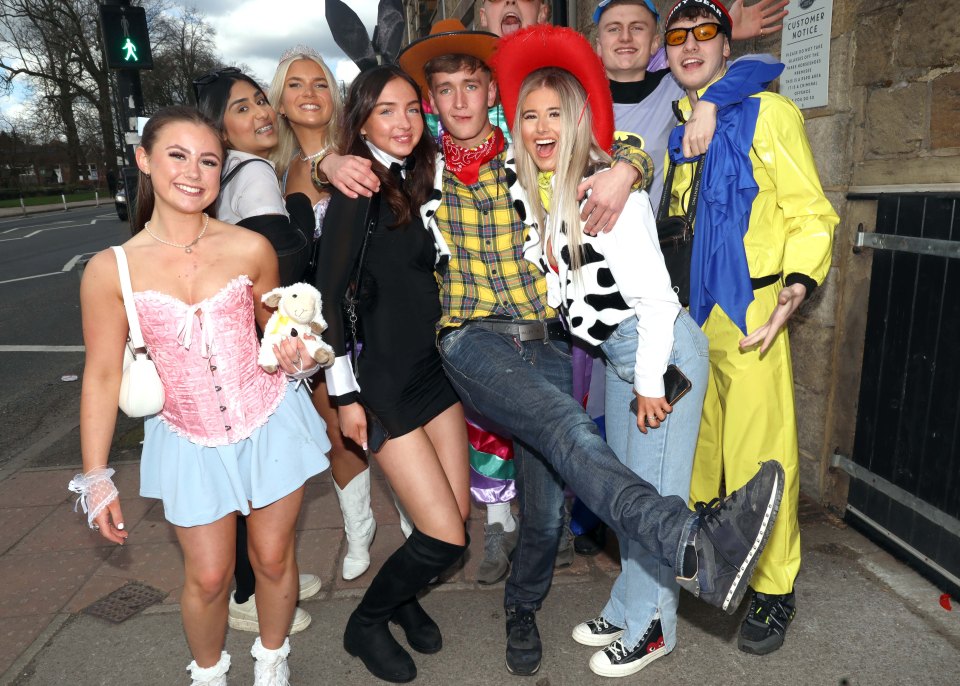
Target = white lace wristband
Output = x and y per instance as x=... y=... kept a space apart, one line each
x=303 y=373
x=96 y=490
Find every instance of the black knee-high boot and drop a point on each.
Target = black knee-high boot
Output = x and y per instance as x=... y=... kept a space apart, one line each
x=404 y=573
x=423 y=634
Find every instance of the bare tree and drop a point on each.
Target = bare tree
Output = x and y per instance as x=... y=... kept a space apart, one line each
x=182 y=43
x=57 y=45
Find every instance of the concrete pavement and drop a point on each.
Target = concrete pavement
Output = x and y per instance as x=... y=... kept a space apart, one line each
x=863 y=617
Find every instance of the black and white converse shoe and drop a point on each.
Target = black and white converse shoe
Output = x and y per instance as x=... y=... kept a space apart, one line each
x=596 y=632
x=620 y=660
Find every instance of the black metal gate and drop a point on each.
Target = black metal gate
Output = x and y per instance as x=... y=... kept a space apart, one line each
x=906 y=462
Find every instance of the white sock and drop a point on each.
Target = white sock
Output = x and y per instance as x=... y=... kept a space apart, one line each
x=499 y=513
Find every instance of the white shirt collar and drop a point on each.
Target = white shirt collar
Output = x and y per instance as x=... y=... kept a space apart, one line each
x=384 y=158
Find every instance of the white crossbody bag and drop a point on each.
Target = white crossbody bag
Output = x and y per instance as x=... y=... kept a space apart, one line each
x=141 y=391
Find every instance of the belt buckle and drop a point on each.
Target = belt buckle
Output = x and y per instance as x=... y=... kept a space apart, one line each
x=528 y=332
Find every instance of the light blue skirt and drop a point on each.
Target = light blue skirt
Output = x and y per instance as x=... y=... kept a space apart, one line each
x=199 y=485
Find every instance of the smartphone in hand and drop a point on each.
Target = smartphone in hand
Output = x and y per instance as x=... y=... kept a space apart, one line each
x=675 y=386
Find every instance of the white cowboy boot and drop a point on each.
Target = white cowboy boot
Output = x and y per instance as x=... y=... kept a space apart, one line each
x=358 y=523
x=210 y=676
x=406 y=524
x=271 y=668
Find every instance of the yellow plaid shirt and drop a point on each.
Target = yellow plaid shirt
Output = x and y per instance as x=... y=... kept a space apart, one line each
x=486 y=273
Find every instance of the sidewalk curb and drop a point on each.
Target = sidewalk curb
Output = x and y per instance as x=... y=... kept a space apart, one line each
x=55 y=207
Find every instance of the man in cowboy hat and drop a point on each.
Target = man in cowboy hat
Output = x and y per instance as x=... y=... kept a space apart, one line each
x=608 y=195
x=507 y=354
x=763 y=242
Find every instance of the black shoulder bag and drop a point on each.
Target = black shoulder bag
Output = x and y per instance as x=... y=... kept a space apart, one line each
x=676 y=232
x=377 y=433
x=352 y=296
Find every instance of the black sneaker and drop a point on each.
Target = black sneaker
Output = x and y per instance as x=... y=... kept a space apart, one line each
x=524 y=650
x=766 y=623
x=731 y=536
x=619 y=660
x=596 y=632
x=592 y=542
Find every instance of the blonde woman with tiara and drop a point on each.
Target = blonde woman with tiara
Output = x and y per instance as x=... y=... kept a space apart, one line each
x=308 y=102
x=616 y=294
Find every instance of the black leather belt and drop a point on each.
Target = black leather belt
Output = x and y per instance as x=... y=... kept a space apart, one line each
x=764 y=281
x=522 y=329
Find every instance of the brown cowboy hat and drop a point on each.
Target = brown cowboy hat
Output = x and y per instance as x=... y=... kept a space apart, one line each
x=447 y=37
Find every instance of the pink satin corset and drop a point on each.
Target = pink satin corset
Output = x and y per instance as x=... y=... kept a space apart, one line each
x=206 y=355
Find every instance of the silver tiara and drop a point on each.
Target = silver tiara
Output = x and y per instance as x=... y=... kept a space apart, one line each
x=299 y=50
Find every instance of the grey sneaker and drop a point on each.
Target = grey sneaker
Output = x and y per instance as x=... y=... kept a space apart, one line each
x=498 y=546
x=731 y=536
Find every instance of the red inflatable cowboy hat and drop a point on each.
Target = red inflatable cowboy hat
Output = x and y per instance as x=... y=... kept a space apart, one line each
x=543 y=45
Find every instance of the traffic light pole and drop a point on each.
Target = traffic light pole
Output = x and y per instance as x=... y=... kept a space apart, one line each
x=131 y=107
x=130 y=99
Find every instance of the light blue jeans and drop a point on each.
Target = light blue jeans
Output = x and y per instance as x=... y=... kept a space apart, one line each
x=663 y=457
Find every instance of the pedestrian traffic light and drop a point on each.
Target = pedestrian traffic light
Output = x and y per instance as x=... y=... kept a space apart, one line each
x=125 y=39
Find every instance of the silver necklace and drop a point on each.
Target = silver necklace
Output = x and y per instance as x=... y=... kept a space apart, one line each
x=187 y=247
x=307 y=158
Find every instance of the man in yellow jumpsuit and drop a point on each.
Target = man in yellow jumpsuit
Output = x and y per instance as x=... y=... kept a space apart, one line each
x=748 y=414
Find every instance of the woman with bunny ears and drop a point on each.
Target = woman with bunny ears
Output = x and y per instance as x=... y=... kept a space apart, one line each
x=397 y=389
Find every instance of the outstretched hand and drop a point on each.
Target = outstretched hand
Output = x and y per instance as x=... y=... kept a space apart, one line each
x=788 y=301
x=757 y=20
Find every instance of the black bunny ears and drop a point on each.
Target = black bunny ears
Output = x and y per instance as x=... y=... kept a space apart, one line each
x=351 y=35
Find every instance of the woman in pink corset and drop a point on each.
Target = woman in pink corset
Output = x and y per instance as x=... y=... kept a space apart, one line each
x=230 y=437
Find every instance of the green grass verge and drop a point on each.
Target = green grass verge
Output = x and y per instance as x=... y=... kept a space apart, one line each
x=54 y=199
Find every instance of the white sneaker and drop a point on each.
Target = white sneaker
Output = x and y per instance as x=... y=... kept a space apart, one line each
x=210 y=676
x=309 y=586
x=618 y=660
x=243 y=617
x=271 y=668
x=596 y=632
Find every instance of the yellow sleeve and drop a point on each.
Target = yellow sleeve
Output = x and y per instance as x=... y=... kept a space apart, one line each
x=808 y=217
x=628 y=148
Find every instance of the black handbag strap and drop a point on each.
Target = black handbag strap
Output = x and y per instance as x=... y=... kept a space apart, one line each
x=233 y=172
x=664 y=209
x=373 y=215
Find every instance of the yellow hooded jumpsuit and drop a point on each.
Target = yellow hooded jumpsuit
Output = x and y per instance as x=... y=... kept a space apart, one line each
x=748 y=413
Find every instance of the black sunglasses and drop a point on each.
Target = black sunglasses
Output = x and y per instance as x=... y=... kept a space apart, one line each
x=207 y=79
x=701 y=32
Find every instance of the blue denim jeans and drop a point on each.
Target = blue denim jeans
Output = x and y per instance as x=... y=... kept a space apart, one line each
x=664 y=457
x=524 y=388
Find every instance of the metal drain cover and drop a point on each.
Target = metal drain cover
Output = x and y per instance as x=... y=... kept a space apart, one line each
x=125 y=602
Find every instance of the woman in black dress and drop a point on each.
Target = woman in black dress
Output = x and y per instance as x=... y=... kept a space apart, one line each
x=399 y=380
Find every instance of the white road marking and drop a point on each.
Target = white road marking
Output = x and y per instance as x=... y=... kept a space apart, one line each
x=44 y=228
x=73 y=261
x=35 y=276
x=42 y=349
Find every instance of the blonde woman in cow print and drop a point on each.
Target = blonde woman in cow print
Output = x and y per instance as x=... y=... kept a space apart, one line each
x=616 y=294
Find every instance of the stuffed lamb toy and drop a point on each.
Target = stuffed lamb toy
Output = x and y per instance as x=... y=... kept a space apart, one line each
x=298 y=313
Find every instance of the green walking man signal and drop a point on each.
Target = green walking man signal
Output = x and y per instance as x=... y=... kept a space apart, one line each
x=131 y=54
x=125 y=38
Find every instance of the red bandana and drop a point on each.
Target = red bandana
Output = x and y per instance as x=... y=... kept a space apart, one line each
x=465 y=164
